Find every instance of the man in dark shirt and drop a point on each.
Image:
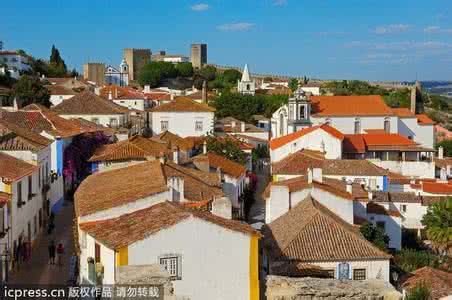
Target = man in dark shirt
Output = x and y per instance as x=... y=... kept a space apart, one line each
x=52 y=253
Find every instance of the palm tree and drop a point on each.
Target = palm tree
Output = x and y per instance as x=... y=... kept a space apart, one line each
x=438 y=222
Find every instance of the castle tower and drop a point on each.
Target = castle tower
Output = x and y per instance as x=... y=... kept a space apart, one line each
x=245 y=86
x=416 y=105
x=136 y=59
x=198 y=55
x=94 y=72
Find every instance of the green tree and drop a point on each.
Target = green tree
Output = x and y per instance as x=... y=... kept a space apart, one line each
x=375 y=235
x=150 y=75
x=29 y=89
x=438 y=223
x=39 y=67
x=293 y=84
x=409 y=260
x=231 y=76
x=184 y=69
x=57 y=66
x=208 y=73
x=227 y=148
x=421 y=291
x=447 y=146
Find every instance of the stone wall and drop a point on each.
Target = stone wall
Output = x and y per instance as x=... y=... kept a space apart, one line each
x=286 y=288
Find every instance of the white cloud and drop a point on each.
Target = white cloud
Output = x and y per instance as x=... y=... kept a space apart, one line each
x=235 y=26
x=431 y=29
x=391 y=28
x=437 y=29
x=279 y=2
x=200 y=7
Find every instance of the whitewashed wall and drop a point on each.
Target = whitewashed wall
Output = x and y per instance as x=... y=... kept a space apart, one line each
x=280 y=201
x=183 y=123
x=316 y=140
x=375 y=269
x=418 y=169
x=338 y=205
x=219 y=256
x=103 y=120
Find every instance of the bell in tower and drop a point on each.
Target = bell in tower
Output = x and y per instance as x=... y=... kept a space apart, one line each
x=299 y=110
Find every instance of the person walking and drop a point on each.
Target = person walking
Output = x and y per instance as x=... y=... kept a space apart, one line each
x=52 y=253
x=60 y=252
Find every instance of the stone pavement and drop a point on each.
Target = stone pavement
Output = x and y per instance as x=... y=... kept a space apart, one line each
x=37 y=269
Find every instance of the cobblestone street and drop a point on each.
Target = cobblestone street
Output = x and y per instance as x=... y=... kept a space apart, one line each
x=37 y=269
x=257 y=211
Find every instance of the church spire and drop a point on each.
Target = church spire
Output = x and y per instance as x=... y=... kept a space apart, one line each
x=246 y=74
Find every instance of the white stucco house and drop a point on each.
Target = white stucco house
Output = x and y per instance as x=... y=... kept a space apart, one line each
x=133 y=223
x=89 y=106
x=322 y=138
x=183 y=117
x=312 y=236
x=15 y=62
x=59 y=93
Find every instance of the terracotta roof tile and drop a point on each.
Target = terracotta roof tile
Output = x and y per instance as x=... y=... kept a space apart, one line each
x=443 y=163
x=283 y=140
x=59 y=90
x=403 y=112
x=14 y=137
x=360 y=143
x=185 y=144
x=439 y=282
x=88 y=103
x=130 y=228
x=349 y=106
x=423 y=119
x=298 y=269
x=117 y=187
x=182 y=104
x=226 y=165
x=377 y=209
x=310 y=232
x=437 y=188
x=136 y=147
x=12 y=169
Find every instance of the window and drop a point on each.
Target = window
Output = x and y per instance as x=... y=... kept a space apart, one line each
x=19 y=194
x=30 y=187
x=113 y=122
x=330 y=273
x=198 y=126
x=359 y=274
x=387 y=125
x=281 y=124
x=164 y=125
x=302 y=112
x=247 y=87
x=403 y=207
x=172 y=263
x=357 y=126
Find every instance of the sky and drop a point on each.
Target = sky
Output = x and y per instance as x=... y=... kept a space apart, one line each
x=327 y=39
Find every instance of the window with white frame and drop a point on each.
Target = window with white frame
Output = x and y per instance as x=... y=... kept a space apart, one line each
x=173 y=264
x=198 y=126
x=164 y=125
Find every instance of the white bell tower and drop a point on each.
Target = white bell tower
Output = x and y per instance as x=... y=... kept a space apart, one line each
x=245 y=86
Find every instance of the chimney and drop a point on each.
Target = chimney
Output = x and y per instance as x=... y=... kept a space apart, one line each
x=370 y=195
x=349 y=186
x=110 y=95
x=219 y=174
x=443 y=175
x=97 y=91
x=204 y=147
x=172 y=96
x=204 y=92
x=413 y=99
x=232 y=124
x=222 y=207
x=176 y=155
x=441 y=152
x=242 y=126
x=176 y=188
x=147 y=88
x=317 y=174
x=309 y=176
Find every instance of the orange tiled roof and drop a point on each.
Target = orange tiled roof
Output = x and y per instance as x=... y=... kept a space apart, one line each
x=375 y=131
x=372 y=105
x=130 y=228
x=439 y=282
x=403 y=112
x=226 y=165
x=377 y=209
x=12 y=169
x=121 y=92
x=88 y=103
x=283 y=140
x=310 y=232
x=172 y=140
x=118 y=187
x=181 y=104
x=59 y=90
x=437 y=187
x=359 y=143
x=423 y=119
x=14 y=137
x=136 y=147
